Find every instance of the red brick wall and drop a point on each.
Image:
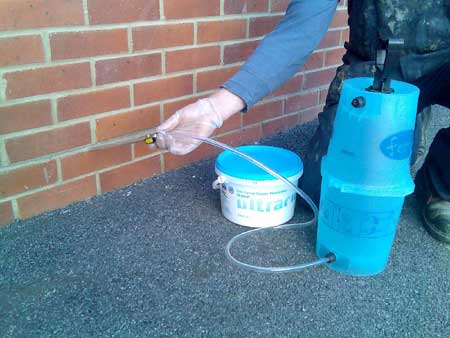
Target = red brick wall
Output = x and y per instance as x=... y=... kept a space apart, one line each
x=75 y=72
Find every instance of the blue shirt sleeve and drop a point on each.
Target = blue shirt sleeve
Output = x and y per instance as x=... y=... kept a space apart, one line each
x=283 y=51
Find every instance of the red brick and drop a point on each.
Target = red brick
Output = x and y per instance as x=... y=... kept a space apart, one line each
x=323 y=96
x=243 y=136
x=75 y=106
x=6 y=213
x=331 y=39
x=20 y=50
x=141 y=149
x=115 y=11
x=239 y=51
x=293 y=85
x=213 y=31
x=25 y=14
x=171 y=107
x=164 y=36
x=314 y=61
x=89 y=161
x=47 y=80
x=130 y=173
x=263 y=25
x=345 y=35
x=127 y=68
x=280 y=5
x=334 y=57
x=31 y=177
x=299 y=102
x=212 y=79
x=279 y=125
x=245 y=6
x=71 y=45
x=158 y=90
x=25 y=116
x=263 y=112
x=47 y=142
x=340 y=19
x=172 y=161
x=310 y=114
x=57 y=197
x=192 y=58
x=319 y=78
x=126 y=123
x=176 y=9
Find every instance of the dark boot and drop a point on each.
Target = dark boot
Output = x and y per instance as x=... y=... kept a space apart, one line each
x=436 y=216
x=435 y=210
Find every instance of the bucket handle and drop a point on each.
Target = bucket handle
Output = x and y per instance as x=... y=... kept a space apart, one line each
x=218 y=182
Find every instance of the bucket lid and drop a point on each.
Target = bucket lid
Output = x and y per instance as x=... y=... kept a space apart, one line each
x=283 y=161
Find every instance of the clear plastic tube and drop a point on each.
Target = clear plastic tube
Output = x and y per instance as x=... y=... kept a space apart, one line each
x=328 y=259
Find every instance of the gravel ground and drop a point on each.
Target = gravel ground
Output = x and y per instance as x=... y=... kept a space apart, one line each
x=148 y=261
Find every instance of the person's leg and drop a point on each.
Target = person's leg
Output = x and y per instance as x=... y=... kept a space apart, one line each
x=420 y=139
x=433 y=187
x=311 y=179
x=433 y=179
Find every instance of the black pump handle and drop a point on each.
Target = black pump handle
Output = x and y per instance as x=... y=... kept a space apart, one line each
x=388 y=57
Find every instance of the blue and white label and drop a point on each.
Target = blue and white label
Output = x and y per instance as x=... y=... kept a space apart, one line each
x=398 y=146
x=257 y=206
x=358 y=223
x=266 y=204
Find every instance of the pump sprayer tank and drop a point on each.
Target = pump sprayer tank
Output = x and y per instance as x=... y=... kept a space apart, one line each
x=365 y=174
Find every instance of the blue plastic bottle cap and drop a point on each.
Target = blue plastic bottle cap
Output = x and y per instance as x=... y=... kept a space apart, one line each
x=283 y=161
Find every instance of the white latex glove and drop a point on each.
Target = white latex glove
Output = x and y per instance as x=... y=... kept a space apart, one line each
x=200 y=119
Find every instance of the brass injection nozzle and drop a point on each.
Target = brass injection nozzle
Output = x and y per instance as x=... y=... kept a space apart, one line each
x=150 y=139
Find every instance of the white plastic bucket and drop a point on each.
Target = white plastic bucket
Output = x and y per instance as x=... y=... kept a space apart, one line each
x=251 y=197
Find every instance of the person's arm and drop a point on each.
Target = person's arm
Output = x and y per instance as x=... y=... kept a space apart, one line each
x=279 y=56
x=283 y=51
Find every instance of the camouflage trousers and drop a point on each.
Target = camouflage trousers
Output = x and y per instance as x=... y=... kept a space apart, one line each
x=434 y=89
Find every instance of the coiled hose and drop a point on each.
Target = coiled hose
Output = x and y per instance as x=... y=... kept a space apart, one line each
x=329 y=258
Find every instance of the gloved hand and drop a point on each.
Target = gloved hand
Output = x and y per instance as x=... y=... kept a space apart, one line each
x=201 y=118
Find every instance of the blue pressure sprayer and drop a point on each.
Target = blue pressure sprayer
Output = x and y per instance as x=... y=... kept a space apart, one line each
x=366 y=172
